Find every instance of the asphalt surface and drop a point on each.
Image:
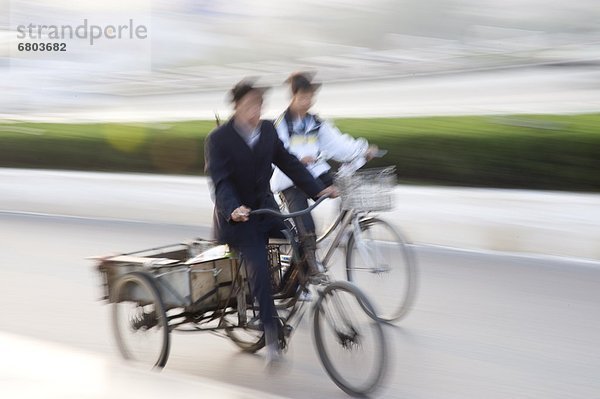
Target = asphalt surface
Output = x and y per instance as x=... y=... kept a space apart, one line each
x=484 y=325
x=525 y=221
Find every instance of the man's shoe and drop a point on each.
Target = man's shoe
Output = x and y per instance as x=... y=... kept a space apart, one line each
x=274 y=357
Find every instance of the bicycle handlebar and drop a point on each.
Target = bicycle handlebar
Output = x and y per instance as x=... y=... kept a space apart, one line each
x=323 y=156
x=267 y=211
x=380 y=153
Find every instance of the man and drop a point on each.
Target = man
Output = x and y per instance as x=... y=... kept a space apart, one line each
x=239 y=155
x=307 y=137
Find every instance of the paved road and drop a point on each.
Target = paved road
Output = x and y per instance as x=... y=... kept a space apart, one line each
x=484 y=326
x=528 y=221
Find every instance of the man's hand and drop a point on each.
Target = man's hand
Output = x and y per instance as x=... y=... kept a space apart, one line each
x=241 y=214
x=370 y=154
x=308 y=160
x=331 y=192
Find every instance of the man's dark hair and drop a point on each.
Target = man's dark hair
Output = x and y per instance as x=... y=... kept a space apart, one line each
x=242 y=88
x=302 y=81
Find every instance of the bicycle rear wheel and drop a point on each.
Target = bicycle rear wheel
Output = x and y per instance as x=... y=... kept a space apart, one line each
x=349 y=339
x=382 y=264
x=139 y=318
x=248 y=339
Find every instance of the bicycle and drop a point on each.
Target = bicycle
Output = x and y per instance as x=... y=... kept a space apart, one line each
x=201 y=286
x=378 y=258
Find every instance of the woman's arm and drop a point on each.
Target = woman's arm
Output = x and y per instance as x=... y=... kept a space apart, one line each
x=339 y=146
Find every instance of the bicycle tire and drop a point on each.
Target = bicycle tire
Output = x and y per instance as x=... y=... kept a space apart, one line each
x=247 y=345
x=350 y=341
x=401 y=257
x=157 y=318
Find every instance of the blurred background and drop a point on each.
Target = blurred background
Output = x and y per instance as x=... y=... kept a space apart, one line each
x=516 y=84
x=197 y=49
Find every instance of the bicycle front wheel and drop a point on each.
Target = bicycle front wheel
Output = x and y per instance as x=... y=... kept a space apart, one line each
x=349 y=339
x=382 y=264
x=140 y=321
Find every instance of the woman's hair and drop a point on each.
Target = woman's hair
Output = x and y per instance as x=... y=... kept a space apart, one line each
x=302 y=81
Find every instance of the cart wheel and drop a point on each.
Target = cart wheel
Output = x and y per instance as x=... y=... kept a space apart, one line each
x=139 y=320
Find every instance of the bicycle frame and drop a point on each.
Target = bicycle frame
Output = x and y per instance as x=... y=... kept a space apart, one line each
x=288 y=299
x=345 y=219
x=332 y=227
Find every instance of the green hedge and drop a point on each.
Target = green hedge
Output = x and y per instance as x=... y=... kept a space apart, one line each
x=532 y=151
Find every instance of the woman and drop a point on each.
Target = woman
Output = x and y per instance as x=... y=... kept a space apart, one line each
x=307 y=137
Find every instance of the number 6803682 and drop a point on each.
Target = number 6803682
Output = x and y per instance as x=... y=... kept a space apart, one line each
x=42 y=47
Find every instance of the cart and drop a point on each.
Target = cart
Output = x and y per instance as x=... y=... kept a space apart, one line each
x=200 y=285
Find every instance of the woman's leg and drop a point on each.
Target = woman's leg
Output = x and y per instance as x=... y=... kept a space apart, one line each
x=296 y=200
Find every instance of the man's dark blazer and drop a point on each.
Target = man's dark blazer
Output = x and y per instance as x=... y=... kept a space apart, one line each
x=241 y=175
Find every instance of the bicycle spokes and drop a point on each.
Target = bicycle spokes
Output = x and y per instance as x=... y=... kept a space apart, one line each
x=339 y=319
x=349 y=339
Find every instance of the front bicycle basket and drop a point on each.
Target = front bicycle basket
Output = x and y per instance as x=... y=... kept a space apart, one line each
x=368 y=189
